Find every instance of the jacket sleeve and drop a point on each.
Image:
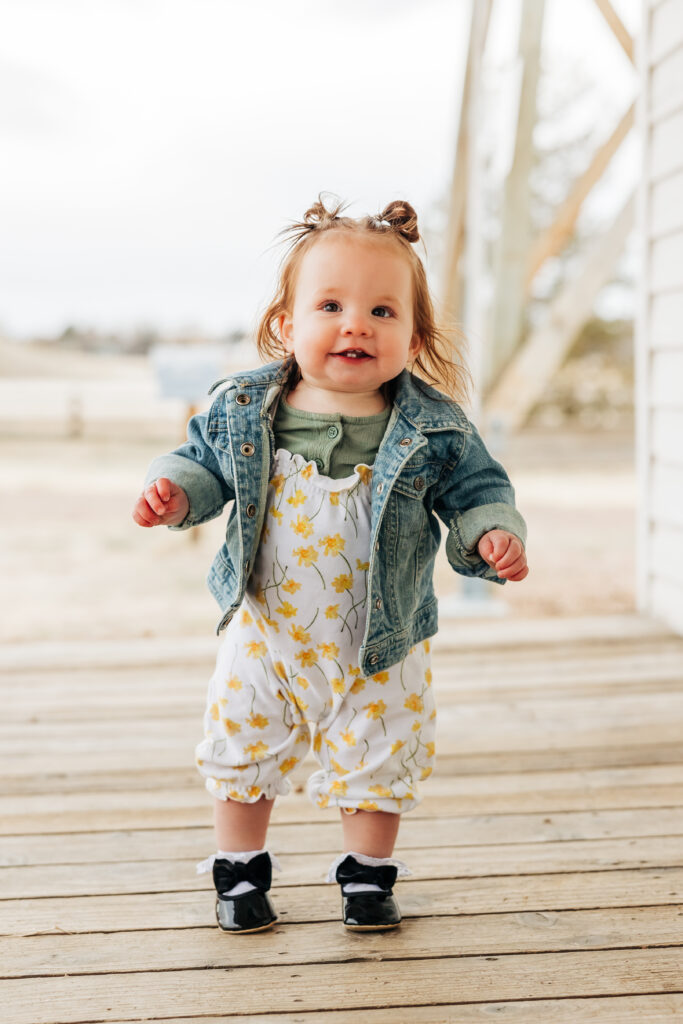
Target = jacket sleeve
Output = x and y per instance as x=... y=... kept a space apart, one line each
x=475 y=497
x=194 y=467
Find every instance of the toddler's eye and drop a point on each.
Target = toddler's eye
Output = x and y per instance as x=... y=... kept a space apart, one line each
x=384 y=312
x=331 y=303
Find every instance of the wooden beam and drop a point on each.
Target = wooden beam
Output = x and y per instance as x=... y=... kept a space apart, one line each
x=553 y=238
x=533 y=366
x=455 y=230
x=616 y=24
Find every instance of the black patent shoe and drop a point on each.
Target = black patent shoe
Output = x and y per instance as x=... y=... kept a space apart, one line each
x=368 y=911
x=249 y=911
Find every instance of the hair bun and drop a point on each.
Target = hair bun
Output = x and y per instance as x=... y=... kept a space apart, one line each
x=401 y=217
x=319 y=213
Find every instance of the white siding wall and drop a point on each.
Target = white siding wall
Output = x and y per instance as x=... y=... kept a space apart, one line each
x=659 y=333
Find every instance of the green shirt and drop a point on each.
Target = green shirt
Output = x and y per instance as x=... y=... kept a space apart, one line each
x=335 y=442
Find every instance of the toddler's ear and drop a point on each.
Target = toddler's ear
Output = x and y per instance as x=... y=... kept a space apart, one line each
x=415 y=346
x=285 y=326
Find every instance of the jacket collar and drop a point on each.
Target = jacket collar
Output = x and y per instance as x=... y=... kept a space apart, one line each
x=422 y=406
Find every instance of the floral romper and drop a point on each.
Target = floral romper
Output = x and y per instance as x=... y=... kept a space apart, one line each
x=287 y=669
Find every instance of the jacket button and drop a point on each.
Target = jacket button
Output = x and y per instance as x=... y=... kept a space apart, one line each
x=243 y=399
x=319 y=463
x=418 y=483
x=405 y=442
x=251 y=511
x=380 y=488
x=373 y=659
x=332 y=431
x=378 y=602
x=247 y=448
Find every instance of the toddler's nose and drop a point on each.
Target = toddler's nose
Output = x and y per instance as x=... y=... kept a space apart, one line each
x=356 y=324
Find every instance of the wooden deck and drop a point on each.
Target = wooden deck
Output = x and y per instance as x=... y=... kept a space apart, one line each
x=547 y=853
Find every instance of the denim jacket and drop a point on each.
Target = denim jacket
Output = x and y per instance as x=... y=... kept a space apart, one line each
x=431 y=462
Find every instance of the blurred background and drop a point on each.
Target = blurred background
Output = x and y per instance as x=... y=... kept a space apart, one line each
x=152 y=151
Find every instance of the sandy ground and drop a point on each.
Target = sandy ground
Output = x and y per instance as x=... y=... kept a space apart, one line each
x=73 y=565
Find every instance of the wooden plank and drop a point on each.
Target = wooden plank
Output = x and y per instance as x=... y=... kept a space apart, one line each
x=442 y=862
x=665 y=85
x=666 y=313
x=666 y=266
x=418 y=897
x=666 y=161
x=666 y=31
x=622 y=34
x=293 y=839
x=667 y=372
x=353 y=985
x=649 y=1009
x=418 y=939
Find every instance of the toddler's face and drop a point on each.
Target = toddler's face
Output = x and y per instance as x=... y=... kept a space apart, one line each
x=351 y=326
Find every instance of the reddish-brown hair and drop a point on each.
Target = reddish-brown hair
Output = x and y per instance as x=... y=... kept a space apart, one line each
x=438 y=361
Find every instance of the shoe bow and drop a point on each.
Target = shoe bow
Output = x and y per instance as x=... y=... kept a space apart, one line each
x=258 y=871
x=383 y=875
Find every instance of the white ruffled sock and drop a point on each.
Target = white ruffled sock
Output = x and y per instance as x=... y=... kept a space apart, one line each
x=241 y=857
x=364 y=858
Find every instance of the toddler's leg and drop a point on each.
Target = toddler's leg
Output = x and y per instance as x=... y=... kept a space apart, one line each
x=241 y=826
x=370 y=832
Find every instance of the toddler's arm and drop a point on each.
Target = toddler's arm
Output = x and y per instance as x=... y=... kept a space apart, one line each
x=475 y=500
x=163 y=503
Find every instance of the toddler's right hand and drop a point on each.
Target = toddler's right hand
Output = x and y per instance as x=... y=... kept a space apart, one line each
x=163 y=503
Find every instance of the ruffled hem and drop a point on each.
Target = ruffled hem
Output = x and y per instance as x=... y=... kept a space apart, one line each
x=245 y=794
x=326 y=483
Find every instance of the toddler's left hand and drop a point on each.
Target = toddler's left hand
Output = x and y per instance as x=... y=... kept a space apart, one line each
x=505 y=553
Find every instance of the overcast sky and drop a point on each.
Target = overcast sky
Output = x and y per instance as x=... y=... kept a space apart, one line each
x=151 y=149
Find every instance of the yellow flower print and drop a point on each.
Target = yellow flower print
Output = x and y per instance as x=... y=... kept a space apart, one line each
x=365 y=473
x=362 y=566
x=349 y=737
x=342 y=582
x=332 y=745
x=235 y=795
x=298 y=498
x=273 y=624
x=339 y=786
x=307 y=657
x=291 y=587
x=427 y=646
x=265 y=534
x=215 y=713
x=302 y=526
x=222 y=701
x=278 y=482
x=332 y=611
x=301 y=704
x=432 y=716
x=334 y=497
x=260 y=596
x=416 y=725
x=396 y=746
x=275 y=512
x=254 y=791
x=200 y=761
x=337 y=685
x=338 y=768
x=307 y=471
x=317 y=742
x=233 y=683
x=245 y=618
x=375 y=709
x=241 y=767
x=257 y=721
x=328 y=650
x=299 y=634
x=286 y=609
x=256 y=749
x=323 y=801
x=303 y=682
x=306 y=556
x=430 y=750
x=256 y=649
x=332 y=545
x=357 y=686
x=288 y=764
x=381 y=677
x=261 y=626
x=280 y=670
x=428 y=676
x=367 y=805
x=414 y=703
x=426 y=772
x=231 y=727
x=380 y=790
x=354 y=671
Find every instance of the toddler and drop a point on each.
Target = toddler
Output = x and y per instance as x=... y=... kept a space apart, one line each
x=337 y=457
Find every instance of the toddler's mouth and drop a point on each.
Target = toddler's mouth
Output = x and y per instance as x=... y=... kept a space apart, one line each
x=352 y=354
